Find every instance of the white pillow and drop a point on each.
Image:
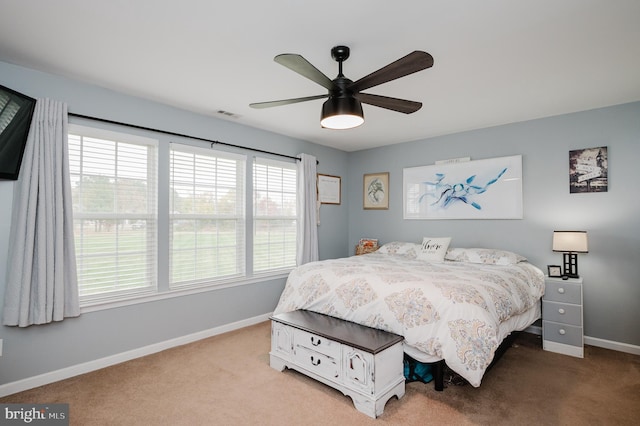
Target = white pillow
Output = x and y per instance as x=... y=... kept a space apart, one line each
x=434 y=249
x=409 y=250
x=485 y=256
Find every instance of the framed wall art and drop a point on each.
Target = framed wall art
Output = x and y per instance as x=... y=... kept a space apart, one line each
x=588 y=170
x=376 y=191
x=481 y=189
x=329 y=189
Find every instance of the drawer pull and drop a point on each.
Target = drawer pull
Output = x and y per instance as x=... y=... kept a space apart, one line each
x=561 y=290
x=315 y=363
x=562 y=332
x=315 y=342
x=561 y=311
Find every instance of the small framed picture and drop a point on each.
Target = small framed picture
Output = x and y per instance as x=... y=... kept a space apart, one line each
x=329 y=189
x=555 y=271
x=588 y=170
x=376 y=191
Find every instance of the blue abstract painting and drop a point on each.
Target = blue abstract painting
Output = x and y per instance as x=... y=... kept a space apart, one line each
x=481 y=189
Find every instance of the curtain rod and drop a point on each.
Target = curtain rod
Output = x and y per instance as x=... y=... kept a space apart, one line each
x=212 y=142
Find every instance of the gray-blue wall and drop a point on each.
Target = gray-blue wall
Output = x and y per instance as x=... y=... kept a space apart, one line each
x=611 y=269
x=36 y=350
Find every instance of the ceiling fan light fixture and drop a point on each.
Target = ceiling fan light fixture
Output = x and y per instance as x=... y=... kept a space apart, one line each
x=343 y=108
x=341 y=113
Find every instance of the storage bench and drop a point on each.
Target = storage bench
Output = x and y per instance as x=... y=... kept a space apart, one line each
x=363 y=363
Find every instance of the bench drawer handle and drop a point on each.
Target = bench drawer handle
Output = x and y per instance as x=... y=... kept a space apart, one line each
x=315 y=363
x=316 y=342
x=562 y=332
x=561 y=290
x=561 y=311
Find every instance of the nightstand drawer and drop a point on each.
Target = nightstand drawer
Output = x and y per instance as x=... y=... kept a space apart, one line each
x=562 y=333
x=562 y=313
x=563 y=291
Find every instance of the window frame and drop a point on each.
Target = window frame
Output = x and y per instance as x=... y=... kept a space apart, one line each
x=163 y=289
x=284 y=165
x=151 y=216
x=239 y=216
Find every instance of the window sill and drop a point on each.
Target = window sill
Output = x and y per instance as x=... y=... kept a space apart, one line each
x=147 y=298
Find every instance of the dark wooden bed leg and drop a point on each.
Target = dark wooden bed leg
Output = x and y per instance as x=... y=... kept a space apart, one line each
x=438 y=375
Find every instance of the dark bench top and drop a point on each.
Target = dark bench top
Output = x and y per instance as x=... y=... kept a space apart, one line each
x=349 y=333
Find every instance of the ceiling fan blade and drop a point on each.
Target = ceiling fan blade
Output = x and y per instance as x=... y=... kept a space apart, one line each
x=413 y=62
x=394 y=104
x=270 y=104
x=303 y=67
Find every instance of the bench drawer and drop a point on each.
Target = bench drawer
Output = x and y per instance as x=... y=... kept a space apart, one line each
x=317 y=343
x=317 y=363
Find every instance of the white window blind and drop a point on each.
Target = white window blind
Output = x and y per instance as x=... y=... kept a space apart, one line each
x=275 y=215
x=113 y=178
x=207 y=216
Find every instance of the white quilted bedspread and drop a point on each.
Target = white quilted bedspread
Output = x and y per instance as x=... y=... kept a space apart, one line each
x=450 y=310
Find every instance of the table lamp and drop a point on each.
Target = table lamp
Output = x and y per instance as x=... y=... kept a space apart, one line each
x=570 y=243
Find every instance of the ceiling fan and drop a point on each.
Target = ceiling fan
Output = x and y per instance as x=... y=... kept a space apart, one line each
x=343 y=109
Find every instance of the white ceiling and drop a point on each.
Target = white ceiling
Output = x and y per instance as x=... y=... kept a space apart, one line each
x=496 y=61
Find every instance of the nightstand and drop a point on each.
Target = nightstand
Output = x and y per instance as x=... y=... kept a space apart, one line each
x=562 y=330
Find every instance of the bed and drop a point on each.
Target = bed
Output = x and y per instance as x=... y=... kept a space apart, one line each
x=457 y=307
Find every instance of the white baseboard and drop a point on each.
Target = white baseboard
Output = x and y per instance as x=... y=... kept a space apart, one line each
x=608 y=344
x=594 y=341
x=75 y=370
x=534 y=329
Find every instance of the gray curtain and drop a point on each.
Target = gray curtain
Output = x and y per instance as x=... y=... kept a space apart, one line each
x=307 y=247
x=42 y=283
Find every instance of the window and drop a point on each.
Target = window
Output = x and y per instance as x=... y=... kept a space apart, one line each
x=113 y=180
x=207 y=220
x=275 y=215
x=154 y=218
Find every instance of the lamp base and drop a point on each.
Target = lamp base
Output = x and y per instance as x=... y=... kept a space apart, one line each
x=570 y=265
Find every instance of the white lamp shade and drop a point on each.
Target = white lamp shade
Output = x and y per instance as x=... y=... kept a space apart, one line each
x=570 y=241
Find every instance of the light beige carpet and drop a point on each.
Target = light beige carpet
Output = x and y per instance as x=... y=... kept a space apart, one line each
x=226 y=380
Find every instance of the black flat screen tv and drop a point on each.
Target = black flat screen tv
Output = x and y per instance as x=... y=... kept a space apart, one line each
x=16 y=112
